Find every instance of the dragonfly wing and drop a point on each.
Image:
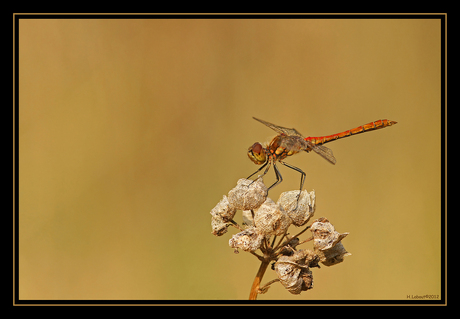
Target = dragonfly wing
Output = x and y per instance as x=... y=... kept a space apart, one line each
x=280 y=129
x=322 y=150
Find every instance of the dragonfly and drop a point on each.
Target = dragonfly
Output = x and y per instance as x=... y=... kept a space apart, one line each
x=289 y=141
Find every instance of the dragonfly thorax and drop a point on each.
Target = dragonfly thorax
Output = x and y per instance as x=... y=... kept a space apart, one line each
x=282 y=146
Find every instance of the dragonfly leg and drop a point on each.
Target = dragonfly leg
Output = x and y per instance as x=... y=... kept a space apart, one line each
x=279 y=178
x=269 y=163
x=302 y=179
x=266 y=163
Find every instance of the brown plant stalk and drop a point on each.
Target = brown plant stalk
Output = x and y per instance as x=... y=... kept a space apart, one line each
x=258 y=279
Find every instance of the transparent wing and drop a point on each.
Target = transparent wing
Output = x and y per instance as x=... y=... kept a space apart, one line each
x=322 y=150
x=280 y=129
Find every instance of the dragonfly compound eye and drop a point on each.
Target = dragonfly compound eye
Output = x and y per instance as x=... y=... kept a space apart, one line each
x=256 y=154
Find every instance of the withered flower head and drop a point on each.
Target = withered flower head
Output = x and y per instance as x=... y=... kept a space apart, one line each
x=305 y=206
x=224 y=210
x=270 y=219
x=248 y=240
x=294 y=271
x=248 y=194
x=221 y=214
x=327 y=242
x=219 y=227
x=332 y=256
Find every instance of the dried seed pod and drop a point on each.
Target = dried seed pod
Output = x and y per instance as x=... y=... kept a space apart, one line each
x=305 y=208
x=293 y=271
x=270 y=219
x=327 y=242
x=332 y=256
x=289 y=274
x=248 y=194
x=324 y=234
x=224 y=210
x=248 y=240
x=219 y=227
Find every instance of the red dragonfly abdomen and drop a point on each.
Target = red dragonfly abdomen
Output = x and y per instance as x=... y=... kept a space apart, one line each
x=360 y=129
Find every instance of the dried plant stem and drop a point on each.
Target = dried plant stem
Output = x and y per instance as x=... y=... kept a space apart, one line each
x=235 y=224
x=302 y=232
x=306 y=240
x=261 y=258
x=281 y=240
x=267 y=285
x=260 y=273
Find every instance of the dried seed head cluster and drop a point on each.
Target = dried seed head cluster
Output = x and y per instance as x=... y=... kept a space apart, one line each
x=264 y=220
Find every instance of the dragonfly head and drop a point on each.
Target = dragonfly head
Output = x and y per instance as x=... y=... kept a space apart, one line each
x=256 y=153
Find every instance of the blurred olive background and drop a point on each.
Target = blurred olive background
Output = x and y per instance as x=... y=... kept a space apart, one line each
x=130 y=131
